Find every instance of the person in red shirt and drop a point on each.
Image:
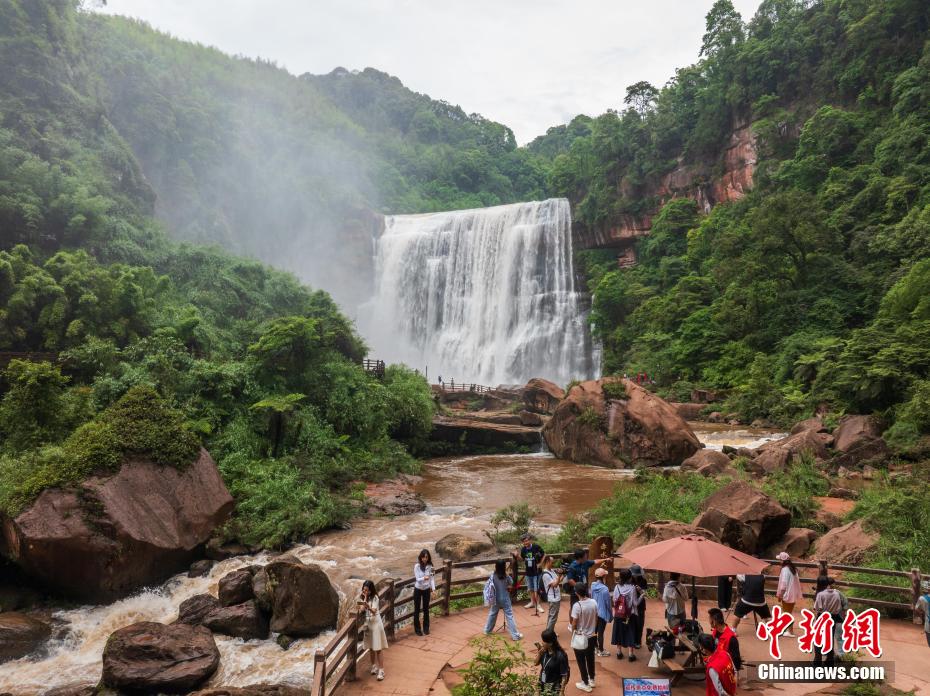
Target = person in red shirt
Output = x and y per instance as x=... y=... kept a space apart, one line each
x=721 y=675
x=725 y=636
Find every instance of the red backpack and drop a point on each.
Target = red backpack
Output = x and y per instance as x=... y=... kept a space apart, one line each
x=623 y=607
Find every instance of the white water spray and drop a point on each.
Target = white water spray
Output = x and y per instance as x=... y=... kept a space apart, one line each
x=485 y=295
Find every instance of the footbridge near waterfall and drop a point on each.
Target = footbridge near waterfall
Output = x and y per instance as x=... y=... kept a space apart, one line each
x=432 y=664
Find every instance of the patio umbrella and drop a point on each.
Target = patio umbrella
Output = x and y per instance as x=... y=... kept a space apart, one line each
x=695 y=556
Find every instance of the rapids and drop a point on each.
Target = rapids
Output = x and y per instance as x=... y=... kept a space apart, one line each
x=461 y=493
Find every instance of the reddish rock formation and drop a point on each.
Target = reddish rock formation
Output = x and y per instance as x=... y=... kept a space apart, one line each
x=300 y=597
x=150 y=657
x=797 y=542
x=394 y=497
x=20 y=635
x=243 y=620
x=858 y=441
x=253 y=690
x=235 y=587
x=775 y=456
x=458 y=547
x=660 y=530
x=688 y=411
x=194 y=610
x=846 y=545
x=707 y=462
x=636 y=428
x=744 y=517
x=469 y=432
x=542 y=396
x=115 y=534
x=815 y=423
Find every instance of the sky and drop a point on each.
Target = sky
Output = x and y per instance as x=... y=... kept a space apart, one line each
x=530 y=64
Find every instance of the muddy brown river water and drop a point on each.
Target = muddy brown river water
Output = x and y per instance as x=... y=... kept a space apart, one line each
x=461 y=494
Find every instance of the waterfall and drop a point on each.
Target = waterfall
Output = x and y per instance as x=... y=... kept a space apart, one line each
x=485 y=295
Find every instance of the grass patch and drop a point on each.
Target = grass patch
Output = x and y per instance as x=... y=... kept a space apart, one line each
x=795 y=488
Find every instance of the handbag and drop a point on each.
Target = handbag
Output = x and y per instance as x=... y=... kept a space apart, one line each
x=579 y=641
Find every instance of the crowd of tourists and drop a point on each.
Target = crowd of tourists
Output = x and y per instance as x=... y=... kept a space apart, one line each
x=593 y=607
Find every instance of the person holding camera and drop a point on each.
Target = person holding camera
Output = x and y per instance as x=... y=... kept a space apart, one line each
x=551 y=579
x=424 y=585
x=554 y=669
x=375 y=639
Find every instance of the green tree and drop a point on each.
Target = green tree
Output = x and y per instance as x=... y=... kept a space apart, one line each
x=34 y=410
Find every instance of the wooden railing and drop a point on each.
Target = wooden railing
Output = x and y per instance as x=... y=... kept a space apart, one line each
x=453 y=387
x=339 y=660
x=375 y=367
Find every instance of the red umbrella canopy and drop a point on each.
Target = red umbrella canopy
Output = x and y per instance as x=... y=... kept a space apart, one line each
x=694 y=555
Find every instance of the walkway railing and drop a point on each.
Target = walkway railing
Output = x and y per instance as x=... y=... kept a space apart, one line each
x=339 y=661
x=453 y=387
x=375 y=367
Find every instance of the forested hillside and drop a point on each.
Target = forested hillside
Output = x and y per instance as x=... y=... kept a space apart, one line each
x=811 y=291
x=144 y=335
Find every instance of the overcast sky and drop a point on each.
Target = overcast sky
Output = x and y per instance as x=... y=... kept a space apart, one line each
x=529 y=64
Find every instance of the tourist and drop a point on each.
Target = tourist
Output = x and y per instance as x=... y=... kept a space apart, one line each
x=789 y=590
x=583 y=623
x=499 y=586
x=424 y=585
x=639 y=579
x=532 y=554
x=577 y=572
x=553 y=664
x=625 y=602
x=923 y=605
x=551 y=579
x=724 y=635
x=724 y=592
x=674 y=596
x=600 y=593
x=752 y=599
x=375 y=639
x=828 y=599
x=720 y=674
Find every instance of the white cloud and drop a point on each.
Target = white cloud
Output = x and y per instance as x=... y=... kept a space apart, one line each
x=530 y=64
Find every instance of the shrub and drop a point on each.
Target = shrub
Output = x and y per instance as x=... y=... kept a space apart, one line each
x=497 y=669
x=795 y=488
x=510 y=523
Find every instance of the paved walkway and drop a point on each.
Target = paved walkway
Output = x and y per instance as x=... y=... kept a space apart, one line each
x=426 y=665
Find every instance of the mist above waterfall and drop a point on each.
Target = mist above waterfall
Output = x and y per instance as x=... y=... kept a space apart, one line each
x=485 y=295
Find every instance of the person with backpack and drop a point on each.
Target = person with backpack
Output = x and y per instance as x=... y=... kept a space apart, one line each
x=583 y=623
x=720 y=673
x=554 y=669
x=789 y=590
x=923 y=605
x=751 y=601
x=549 y=583
x=532 y=554
x=829 y=600
x=675 y=595
x=625 y=602
x=497 y=599
x=600 y=593
x=724 y=635
x=424 y=584
x=639 y=579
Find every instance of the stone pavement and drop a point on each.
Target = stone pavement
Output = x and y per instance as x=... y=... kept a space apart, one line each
x=426 y=665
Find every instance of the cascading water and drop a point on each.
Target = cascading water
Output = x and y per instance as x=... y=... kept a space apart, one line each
x=485 y=295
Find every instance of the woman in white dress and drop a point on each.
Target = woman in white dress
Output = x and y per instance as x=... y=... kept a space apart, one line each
x=789 y=591
x=375 y=639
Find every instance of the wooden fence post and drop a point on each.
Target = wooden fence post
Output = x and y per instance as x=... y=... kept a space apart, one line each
x=823 y=567
x=447 y=587
x=391 y=596
x=915 y=595
x=319 y=673
x=352 y=655
x=514 y=573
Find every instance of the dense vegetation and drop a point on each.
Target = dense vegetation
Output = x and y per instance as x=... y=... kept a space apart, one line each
x=156 y=346
x=812 y=289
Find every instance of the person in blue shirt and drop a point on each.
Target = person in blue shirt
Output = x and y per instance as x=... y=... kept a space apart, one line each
x=600 y=593
x=577 y=573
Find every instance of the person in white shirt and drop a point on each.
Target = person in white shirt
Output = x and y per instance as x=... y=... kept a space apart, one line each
x=375 y=638
x=551 y=579
x=789 y=590
x=674 y=597
x=583 y=623
x=424 y=585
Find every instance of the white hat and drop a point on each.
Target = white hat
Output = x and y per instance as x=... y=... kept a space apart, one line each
x=783 y=556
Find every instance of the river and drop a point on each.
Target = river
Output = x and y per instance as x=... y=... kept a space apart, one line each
x=461 y=493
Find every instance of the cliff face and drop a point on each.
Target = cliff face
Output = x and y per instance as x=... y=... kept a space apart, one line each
x=695 y=181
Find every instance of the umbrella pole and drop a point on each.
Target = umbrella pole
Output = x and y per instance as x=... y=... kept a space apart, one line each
x=694 y=599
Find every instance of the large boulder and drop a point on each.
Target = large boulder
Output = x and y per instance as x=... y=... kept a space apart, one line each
x=744 y=517
x=853 y=429
x=846 y=545
x=661 y=530
x=776 y=455
x=152 y=658
x=21 y=634
x=472 y=433
x=394 y=497
x=816 y=424
x=542 y=396
x=117 y=533
x=194 y=610
x=707 y=462
x=301 y=599
x=244 y=620
x=796 y=542
x=236 y=587
x=458 y=547
x=616 y=423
